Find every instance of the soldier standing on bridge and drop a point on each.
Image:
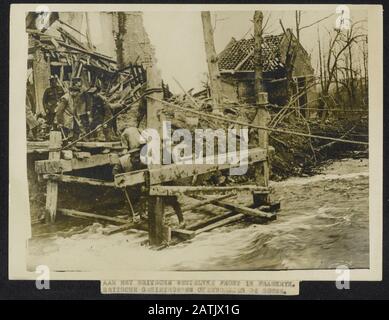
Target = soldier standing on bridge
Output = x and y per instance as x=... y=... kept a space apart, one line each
x=71 y=114
x=50 y=99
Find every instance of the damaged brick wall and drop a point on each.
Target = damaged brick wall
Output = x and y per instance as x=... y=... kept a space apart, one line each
x=132 y=41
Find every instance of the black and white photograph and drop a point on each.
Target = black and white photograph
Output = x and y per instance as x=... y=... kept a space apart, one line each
x=228 y=140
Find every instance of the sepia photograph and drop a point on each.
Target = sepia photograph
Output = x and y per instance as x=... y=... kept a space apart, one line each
x=200 y=139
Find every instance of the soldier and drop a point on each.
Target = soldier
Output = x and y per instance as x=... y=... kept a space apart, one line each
x=33 y=124
x=71 y=113
x=101 y=112
x=50 y=99
x=133 y=141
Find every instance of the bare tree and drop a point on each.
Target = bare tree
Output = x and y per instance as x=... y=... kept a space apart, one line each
x=338 y=61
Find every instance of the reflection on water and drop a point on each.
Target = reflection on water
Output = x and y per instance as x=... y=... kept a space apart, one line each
x=323 y=223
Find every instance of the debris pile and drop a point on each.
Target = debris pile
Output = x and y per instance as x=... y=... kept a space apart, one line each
x=70 y=61
x=294 y=155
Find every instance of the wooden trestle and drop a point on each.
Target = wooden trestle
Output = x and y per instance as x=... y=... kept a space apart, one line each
x=61 y=167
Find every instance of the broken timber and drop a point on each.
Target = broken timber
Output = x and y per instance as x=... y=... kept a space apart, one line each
x=173 y=172
x=159 y=233
x=180 y=190
x=56 y=165
x=52 y=186
x=79 y=180
x=253 y=213
x=79 y=214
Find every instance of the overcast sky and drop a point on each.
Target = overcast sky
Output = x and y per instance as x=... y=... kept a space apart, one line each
x=178 y=37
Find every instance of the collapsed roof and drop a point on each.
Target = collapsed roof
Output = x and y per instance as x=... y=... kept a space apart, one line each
x=238 y=56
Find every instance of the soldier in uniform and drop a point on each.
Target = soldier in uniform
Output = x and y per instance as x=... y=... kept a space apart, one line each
x=50 y=99
x=71 y=114
x=101 y=112
x=133 y=141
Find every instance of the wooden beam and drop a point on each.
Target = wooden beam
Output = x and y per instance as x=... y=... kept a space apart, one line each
x=183 y=233
x=86 y=215
x=202 y=224
x=81 y=180
x=61 y=165
x=213 y=67
x=124 y=227
x=174 y=172
x=221 y=223
x=258 y=63
x=181 y=190
x=43 y=146
x=254 y=213
x=201 y=203
x=98 y=144
x=55 y=144
x=204 y=202
x=262 y=116
x=159 y=233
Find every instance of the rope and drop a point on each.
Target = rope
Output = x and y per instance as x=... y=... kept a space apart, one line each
x=217 y=117
x=319 y=109
x=221 y=118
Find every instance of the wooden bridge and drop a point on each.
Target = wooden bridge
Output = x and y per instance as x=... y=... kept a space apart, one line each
x=62 y=166
x=158 y=181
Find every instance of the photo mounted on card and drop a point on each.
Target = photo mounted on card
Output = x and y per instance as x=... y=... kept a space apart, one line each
x=205 y=149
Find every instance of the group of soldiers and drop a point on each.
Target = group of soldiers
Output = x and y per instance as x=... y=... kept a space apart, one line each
x=79 y=111
x=75 y=112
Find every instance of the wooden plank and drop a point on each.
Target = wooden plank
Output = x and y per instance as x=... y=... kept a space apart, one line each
x=262 y=116
x=183 y=234
x=158 y=232
x=174 y=172
x=39 y=144
x=80 y=180
x=98 y=144
x=39 y=151
x=204 y=202
x=202 y=224
x=80 y=214
x=181 y=190
x=62 y=165
x=52 y=186
x=81 y=155
x=178 y=171
x=124 y=227
x=254 y=213
x=221 y=223
x=95 y=161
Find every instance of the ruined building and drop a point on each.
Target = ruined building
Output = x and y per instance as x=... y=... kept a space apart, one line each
x=93 y=46
x=236 y=64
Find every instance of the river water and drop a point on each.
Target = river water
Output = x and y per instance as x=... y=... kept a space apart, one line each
x=323 y=223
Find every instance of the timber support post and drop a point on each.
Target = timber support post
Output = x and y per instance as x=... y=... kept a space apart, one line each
x=55 y=144
x=158 y=232
x=213 y=67
x=262 y=116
